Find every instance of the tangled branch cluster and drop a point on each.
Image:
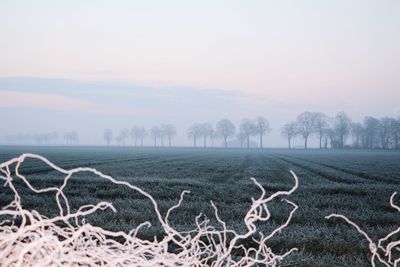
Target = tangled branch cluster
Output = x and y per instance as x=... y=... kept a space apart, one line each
x=387 y=251
x=28 y=238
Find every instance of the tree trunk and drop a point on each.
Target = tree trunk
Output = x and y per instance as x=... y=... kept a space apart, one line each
x=320 y=140
x=305 y=142
x=289 y=143
x=261 y=144
x=225 y=142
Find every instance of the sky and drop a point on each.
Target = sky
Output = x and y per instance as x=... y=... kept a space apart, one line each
x=89 y=65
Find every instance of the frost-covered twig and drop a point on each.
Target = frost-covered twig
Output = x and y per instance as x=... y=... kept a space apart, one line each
x=387 y=250
x=66 y=240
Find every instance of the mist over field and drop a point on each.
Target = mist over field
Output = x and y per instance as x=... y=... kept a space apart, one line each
x=34 y=106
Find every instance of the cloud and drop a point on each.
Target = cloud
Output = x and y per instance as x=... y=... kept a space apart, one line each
x=10 y=99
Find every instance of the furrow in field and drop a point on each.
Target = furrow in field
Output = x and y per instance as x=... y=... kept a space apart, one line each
x=356 y=173
x=302 y=173
x=46 y=169
x=329 y=176
x=82 y=162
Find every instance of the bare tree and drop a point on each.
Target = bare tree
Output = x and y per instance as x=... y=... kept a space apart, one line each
x=142 y=133
x=306 y=125
x=71 y=137
x=54 y=137
x=67 y=137
x=163 y=133
x=395 y=133
x=333 y=137
x=44 y=138
x=326 y=137
x=262 y=128
x=170 y=132
x=138 y=133
x=213 y=136
x=155 y=133
x=385 y=132
x=206 y=131
x=124 y=135
x=371 y=132
x=225 y=128
x=248 y=128
x=194 y=132
x=342 y=127
x=356 y=133
x=135 y=134
x=289 y=131
x=321 y=124
x=241 y=136
x=118 y=139
x=108 y=136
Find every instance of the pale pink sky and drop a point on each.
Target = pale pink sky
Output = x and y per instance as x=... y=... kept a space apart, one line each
x=286 y=49
x=337 y=54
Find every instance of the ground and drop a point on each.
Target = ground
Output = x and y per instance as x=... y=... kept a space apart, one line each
x=351 y=182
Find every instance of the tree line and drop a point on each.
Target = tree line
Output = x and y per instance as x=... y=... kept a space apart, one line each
x=159 y=134
x=163 y=135
x=225 y=129
x=50 y=138
x=337 y=132
x=340 y=131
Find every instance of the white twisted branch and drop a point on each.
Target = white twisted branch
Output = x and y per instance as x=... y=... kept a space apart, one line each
x=40 y=241
x=387 y=250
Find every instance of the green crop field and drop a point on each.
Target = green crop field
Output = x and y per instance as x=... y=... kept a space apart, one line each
x=354 y=183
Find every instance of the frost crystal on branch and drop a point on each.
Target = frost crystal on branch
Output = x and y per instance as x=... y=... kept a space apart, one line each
x=28 y=238
x=387 y=251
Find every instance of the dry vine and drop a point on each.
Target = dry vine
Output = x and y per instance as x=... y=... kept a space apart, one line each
x=40 y=241
x=387 y=251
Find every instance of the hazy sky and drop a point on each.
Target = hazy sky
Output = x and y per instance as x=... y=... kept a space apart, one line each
x=95 y=64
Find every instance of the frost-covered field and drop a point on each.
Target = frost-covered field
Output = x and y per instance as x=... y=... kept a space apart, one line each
x=353 y=183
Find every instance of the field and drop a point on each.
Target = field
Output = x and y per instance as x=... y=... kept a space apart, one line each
x=351 y=182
